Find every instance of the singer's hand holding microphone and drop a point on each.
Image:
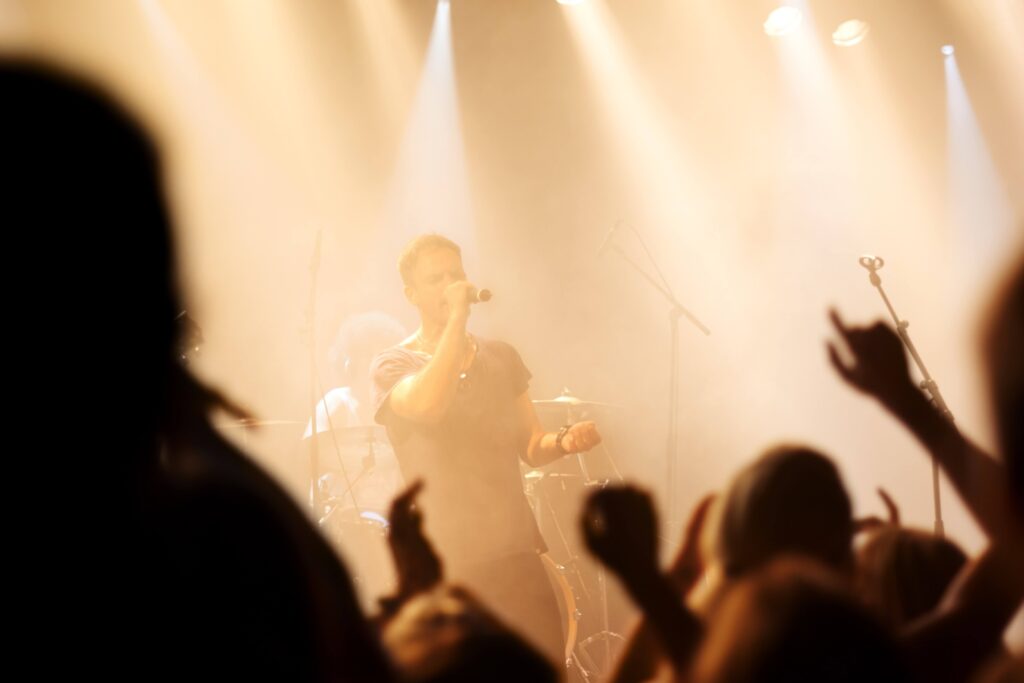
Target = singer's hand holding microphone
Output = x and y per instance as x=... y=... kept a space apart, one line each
x=460 y=294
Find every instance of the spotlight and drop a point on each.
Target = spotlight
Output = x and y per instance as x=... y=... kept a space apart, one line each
x=850 y=33
x=948 y=50
x=782 y=21
x=570 y=2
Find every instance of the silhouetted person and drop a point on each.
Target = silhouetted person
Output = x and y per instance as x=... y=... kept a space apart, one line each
x=791 y=500
x=794 y=621
x=164 y=552
x=902 y=574
x=439 y=633
x=446 y=635
x=952 y=641
x=1003 y=343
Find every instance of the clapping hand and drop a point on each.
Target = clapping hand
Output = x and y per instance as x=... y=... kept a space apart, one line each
x=688 y=565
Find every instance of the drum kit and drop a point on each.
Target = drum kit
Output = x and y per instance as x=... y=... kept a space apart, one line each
x=357 y=479
x=359 y=476
x=556 y=493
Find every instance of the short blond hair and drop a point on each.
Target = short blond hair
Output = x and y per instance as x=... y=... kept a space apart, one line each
x=411 y=254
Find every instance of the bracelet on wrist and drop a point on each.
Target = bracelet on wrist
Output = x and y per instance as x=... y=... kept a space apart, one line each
x=561 y=435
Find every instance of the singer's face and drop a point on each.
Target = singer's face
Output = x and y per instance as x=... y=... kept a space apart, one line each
x=435 y=270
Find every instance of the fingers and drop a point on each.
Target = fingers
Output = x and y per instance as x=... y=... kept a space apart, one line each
x=844 y=372
x=847 y=334
x=403 y=506
x=860 y=338
x=874 y=522
x=687 y=560
x=697 y=518
x=619 y=509
x=599 y=513
x=581 y=437
x=620 y=528
x=459 y=294
x=862 y=524
x=595 y=525
x=412 y=490
x=852 y=336
x=408 y=495
x=569 y=443
x=837 y=322
x=890 y=505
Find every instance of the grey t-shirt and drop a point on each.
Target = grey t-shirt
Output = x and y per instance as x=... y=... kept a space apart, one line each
x=473 y=503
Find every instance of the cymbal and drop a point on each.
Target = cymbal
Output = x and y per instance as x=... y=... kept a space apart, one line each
x=567 y=400
x=355 y=435
x=537 y=474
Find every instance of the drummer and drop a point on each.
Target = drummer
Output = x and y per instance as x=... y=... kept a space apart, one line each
x=358 y=339
x=359 y=445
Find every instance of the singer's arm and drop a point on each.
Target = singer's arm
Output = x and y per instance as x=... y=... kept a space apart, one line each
x=426 y=396
x=543 y=447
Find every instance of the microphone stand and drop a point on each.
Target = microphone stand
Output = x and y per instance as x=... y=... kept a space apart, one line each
x=873 y=264
x=320 y=510
x=369 y=460
x=314 y=451
x=676 y=310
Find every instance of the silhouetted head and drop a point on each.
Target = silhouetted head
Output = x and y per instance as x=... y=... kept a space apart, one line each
x=447 y=636
x=1004 y=357
x=902 y=574
x=94 y=301
x=794 y=621
x=791 y=500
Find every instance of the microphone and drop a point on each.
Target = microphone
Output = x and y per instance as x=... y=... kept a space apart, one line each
x=873 y=264
x=481 y=296
x=608 y=239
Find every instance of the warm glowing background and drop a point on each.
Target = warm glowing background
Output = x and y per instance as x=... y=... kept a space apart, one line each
x=757 y=168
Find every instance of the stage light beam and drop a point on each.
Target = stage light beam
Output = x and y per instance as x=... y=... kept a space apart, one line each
x=430 y=180
x=980 y=208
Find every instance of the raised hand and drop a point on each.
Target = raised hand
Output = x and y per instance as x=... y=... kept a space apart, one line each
x=458 y=296
x=621 y=529
x=879 y=367
x=873 y=521
x=688 y=565
x=890 y=506
x=416 y=564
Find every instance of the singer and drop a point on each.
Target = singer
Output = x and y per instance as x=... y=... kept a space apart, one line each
x=459 y=417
